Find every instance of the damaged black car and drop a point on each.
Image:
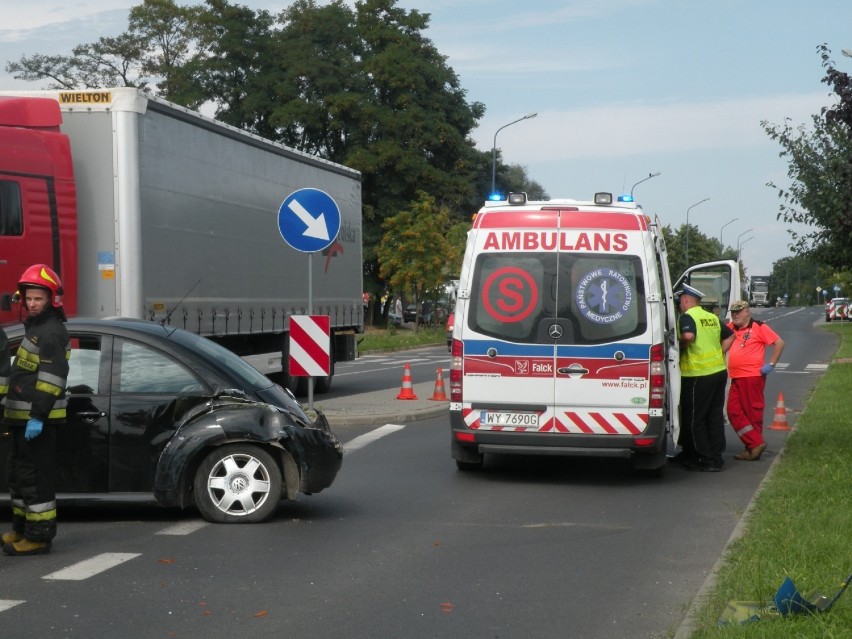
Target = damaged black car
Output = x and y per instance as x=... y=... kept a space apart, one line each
x=156 y=411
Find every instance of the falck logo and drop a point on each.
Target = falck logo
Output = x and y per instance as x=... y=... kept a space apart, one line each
x=522 y=366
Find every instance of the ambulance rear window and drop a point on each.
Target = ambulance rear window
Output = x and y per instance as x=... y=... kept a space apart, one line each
x=590 y=298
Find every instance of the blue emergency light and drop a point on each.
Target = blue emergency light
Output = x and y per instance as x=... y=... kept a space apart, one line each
x=625 y=198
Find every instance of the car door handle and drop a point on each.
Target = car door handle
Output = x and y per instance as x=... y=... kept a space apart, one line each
x=90 y=417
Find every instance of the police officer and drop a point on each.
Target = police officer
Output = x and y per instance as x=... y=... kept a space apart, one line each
x=704 y=340
x=35 y=404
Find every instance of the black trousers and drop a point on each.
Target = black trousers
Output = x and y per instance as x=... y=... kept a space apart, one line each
x=702 y=425
x=31 y=473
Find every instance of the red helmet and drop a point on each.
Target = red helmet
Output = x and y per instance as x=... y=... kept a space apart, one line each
x=42 y=276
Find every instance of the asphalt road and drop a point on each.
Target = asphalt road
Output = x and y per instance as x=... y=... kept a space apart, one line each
x=403 y=544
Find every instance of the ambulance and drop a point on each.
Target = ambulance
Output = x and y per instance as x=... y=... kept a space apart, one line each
x=565 y=339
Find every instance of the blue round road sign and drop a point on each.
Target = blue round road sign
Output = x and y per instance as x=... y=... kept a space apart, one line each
x=309 y=220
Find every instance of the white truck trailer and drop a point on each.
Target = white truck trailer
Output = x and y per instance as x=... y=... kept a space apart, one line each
x=171 y=216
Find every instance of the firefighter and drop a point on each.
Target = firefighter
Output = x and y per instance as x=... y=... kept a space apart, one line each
x=35 y=404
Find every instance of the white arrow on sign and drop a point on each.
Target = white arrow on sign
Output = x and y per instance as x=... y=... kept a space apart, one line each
x=316 y=227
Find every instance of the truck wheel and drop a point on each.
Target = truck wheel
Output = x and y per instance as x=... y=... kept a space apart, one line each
x=323 y=384
x=238 y=484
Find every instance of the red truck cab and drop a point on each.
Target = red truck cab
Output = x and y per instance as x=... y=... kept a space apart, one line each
x=38 y=211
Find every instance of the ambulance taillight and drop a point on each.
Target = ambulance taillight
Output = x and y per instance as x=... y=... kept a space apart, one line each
x=657 y=397
x=456 y=371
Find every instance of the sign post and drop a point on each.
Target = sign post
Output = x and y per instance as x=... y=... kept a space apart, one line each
x=309 y=221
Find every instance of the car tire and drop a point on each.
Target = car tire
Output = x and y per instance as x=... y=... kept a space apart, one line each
x=238 y=484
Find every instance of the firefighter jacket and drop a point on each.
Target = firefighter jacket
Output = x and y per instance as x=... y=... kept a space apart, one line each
x=4 y=364
x=39 y=372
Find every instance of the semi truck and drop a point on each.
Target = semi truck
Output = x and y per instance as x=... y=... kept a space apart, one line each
x=149 y=210
x=758 y=290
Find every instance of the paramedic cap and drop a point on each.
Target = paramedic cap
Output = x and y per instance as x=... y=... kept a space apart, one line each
x=739 y=305
x=686 y=289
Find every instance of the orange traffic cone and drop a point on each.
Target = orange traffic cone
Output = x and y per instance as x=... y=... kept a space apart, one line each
x=439 y=395
x=407 y=390
x=780 y=422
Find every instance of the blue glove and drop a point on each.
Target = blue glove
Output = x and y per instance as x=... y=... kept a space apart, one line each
x=766 y=369
x=33 y=430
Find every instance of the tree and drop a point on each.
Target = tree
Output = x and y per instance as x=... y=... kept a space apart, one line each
x=517 y=180
x=820 y=171
x=109 y=62
x=361 y=86
x=420 y=248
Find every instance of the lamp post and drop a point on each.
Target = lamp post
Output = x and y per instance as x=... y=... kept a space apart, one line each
x=722 y=246
x=687 y=227
x=650 y=175
x=739 y=248
x=738 y=241
x=494 y=148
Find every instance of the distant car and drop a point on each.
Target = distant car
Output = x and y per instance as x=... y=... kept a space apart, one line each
x=409 y=314
x=155 y=410
x=837 y=309
x=451 y=318
x=394 y=319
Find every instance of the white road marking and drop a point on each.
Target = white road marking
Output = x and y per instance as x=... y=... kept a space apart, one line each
x=369 y=438
x=185 y=528
x=816 y=367
x=5 y=604
x=91 y=567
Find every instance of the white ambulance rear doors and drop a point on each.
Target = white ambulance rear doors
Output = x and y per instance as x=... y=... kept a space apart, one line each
x=556 y=338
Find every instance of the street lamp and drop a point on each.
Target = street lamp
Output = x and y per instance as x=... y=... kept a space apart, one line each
x=738 y=241
x=494 y=149
x=739 y=248
x=650 y=175
x=722 y=246
x=687 y=227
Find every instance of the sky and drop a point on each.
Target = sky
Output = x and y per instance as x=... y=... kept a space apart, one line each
x=621 y=89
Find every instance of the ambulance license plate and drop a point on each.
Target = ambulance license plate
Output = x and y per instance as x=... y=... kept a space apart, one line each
x=512 y=420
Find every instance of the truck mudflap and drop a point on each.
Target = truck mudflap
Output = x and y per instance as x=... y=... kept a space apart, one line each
x=310 y=456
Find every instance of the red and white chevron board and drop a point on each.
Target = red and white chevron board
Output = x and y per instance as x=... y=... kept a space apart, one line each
x=310 y=345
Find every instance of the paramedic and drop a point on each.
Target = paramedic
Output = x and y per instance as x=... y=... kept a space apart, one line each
x=748 y=372
x=704 y=339
x=35 y=404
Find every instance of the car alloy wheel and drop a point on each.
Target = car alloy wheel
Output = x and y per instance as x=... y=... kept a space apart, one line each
x=238 y=483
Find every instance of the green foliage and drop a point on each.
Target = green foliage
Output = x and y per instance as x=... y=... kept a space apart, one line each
x=799 y=277
x=394 y=339
x=820 y=170
x=701 y=248
x=420 y=249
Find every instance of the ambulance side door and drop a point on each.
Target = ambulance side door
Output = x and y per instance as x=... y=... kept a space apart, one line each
x=720 y=283
x=672 y=343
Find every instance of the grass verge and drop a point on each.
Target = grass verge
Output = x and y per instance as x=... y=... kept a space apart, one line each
x=396 y=338
x=800 y=522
